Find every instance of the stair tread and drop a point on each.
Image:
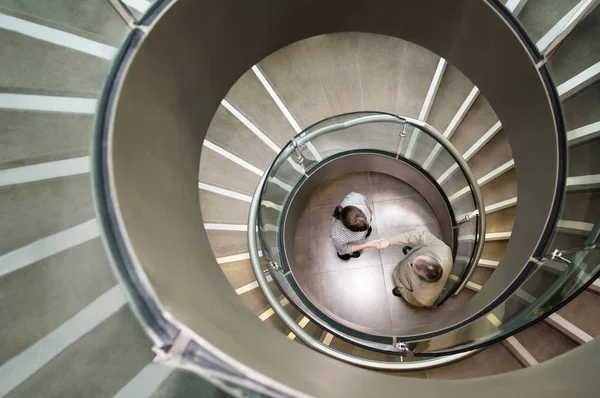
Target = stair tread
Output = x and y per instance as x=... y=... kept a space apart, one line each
x=30 y=137
x=229 y=133
x=96 y=20
x=35 y=210
x=454 y=89
x=538 y=18
x=494 y=250
x=34 y=301
x=219 y=171
x=481 y=275
x=493 y=155
x=581 y=109
x=578 y=52
x=220 y=209
x=501 y=221
x=500 y=188
x=102 y=361
x=543 y=342
x=67 y=72
x=493 y=360
x=251 y=98
x=476 y=123
x=582 y=311
x=227 y=243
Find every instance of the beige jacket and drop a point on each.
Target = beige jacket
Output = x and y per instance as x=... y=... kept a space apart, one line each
x=415 y=291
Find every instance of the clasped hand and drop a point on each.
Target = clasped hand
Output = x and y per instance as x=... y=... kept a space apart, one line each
x=379 y=244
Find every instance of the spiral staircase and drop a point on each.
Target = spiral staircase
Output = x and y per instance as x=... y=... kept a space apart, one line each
x=65 y=327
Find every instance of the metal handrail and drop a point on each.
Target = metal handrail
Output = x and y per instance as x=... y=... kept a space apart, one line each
x=303 y=138
x=308 y=339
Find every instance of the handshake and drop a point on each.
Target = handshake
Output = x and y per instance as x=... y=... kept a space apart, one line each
x=378 y=244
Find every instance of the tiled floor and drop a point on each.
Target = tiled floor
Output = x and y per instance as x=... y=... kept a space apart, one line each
x=360 y=290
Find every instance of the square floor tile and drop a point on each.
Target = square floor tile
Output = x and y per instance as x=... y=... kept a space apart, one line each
x=358 y=296
x=311 y=286
x=304 y=226
x=386 y=187
x=321 y=219
x=412 y=210
x=328 y=260
x=305 y=256
x=333 y=192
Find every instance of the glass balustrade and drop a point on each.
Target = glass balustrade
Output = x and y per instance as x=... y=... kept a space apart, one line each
x=376 y=133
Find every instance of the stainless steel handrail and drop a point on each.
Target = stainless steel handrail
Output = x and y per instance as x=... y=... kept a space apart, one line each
x=308 y=339
x=304 y=138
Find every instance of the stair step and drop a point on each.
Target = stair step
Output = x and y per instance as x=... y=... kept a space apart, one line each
x=67 y=72
x=31 y=137
x=583 y=312
x=34 y=301
x=537 y=19
x=481 y=275
x=476 y=123
x=231 y=134
x=118 y=348
x=33 y=211
x=251 y=98
x=543 y=342
x=217 y=170
x=220 y=209
x=501 y=221
x=574 y=55
x=75 y=18
x=491 y=361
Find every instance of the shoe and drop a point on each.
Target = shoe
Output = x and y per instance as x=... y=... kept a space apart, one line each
x=406 y=249
x=369 y=232
x=396 y=292
x=355 y=254
x=344 y=257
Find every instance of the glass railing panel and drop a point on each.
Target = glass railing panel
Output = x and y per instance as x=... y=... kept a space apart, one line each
x=286 y=172
x=380 y=133
x=356 y=131
x=552 y=282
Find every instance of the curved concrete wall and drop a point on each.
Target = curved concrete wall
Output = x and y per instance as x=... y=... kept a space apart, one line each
x=185 y=66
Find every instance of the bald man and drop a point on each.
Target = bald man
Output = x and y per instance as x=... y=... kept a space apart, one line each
x=421 y=276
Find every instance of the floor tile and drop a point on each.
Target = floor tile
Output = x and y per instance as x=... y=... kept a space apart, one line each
x=303 y=226
x=357 y=295
x=409 y=211
x=328 y=260
x=386 y=187
x=306 y=260
x=333 y=192
x=321 y=219
x=311 y=285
